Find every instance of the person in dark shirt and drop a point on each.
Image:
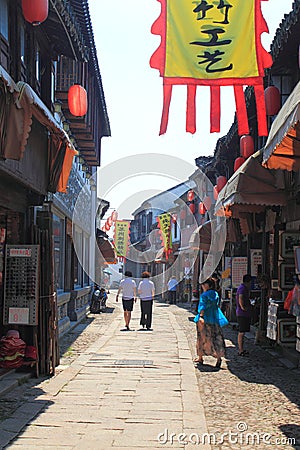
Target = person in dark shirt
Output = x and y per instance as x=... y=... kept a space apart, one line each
x=243 y=311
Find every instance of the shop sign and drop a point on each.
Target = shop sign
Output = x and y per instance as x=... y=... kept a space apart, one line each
x=20 y=252
x=18 y=316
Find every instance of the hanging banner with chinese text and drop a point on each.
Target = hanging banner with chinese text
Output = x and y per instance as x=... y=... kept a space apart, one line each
x=121 y=237
x=212 y=43
x=164 y=223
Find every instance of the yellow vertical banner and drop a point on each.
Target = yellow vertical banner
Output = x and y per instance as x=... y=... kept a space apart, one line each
x=164 y=223
x=121 y=237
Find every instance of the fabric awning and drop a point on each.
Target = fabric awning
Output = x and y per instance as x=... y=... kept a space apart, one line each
x=26 y=105
x=203 y=239
x=251 y=189
x=9 y=82
x=282 y=149
x=107 y=250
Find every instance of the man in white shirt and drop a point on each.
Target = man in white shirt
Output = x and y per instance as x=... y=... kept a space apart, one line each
x=172 y=290
x=128 y=288
x=146 y=293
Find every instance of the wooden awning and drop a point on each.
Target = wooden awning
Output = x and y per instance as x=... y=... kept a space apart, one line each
x=282 y=149
x=251 y=189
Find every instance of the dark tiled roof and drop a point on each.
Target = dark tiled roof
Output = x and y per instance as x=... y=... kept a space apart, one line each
x=288 y=26
x=81 y=9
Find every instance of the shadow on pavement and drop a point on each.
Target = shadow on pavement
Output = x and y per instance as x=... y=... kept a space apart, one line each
x=291 y=430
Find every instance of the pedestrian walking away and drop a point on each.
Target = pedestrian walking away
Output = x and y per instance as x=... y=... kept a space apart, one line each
x=146 y=292
x=209 y=320
x=128 y=288
x=172 y=290
x=243 y=312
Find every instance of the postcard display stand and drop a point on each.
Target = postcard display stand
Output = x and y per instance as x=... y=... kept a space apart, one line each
x=21 y=284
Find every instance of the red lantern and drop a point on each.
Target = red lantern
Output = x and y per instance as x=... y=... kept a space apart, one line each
x=109 y=221
x=221 y=181
x=182 y=214
x=192 y=208
x=174 y=218
x=77 y=100
x=207 y=202
x=190 y=195
x=114 y=216
x=216 y=192
x=273 y=100
x=202 y=209
x=106 y=226
x=238 y=162
x=246 y=146
x=35 y=11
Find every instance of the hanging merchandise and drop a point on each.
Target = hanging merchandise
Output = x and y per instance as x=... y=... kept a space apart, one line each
x=203 y=43
x=35 y=11
x=77 y=100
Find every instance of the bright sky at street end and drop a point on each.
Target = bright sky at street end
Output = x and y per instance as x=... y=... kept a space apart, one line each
x=133 y=94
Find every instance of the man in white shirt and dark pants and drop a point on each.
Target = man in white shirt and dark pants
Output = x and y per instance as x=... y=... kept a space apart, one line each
x=172 y=290
x=146 y=293
x=128 y=288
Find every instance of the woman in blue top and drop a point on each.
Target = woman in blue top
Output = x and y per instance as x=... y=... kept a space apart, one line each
x=209 y=320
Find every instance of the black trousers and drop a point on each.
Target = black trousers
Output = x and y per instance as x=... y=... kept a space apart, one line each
x=146 y=313
x=172 y=297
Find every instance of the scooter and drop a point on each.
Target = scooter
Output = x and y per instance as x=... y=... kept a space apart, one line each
x=98 y=302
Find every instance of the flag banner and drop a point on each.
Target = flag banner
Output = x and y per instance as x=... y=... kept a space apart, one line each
x=164 y=223
x=121 y=237
x=212 y=43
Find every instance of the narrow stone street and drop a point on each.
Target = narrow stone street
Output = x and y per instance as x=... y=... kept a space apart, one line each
x=140 y=389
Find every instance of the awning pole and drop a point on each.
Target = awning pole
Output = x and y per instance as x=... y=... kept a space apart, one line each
x=263 y=316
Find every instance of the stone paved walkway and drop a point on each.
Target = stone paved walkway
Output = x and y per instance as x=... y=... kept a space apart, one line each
x=117 y=389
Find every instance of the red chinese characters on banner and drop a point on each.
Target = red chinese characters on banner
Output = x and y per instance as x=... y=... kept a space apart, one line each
x=212 y=43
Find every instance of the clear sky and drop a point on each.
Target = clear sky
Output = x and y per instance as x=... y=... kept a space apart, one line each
x=133 y=91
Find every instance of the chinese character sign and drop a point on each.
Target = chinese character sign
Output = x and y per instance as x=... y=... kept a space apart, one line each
x=121 y=237
x=164 y=223
x=212 y=43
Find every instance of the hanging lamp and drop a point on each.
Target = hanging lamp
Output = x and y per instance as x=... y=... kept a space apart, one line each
x=77 y=100
x=35 y=11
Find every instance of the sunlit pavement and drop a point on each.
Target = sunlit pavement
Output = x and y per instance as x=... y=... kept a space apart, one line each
x=140 y=389
x=129 y=389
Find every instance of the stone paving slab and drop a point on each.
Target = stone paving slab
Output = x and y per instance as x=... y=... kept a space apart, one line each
x=139 y=399
x=259 y=392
